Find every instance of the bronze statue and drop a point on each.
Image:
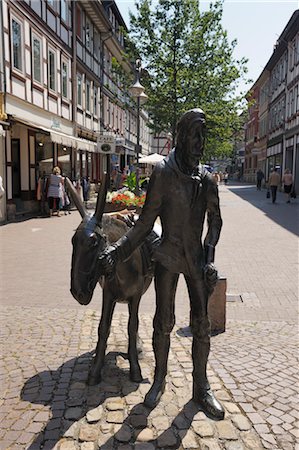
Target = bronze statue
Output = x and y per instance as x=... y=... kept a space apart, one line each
x=180 y=192
x=127 y=285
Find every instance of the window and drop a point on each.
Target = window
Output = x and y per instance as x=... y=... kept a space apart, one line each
x=87 y=96
x=97 y=46
x=79 y=89
x=63 y=10
x=64 y=75
x=16 y=30
x=51 y=3
x=88 y=35
x=95 y=101
x=51 y=70
x=36 y=59
x=79 y=21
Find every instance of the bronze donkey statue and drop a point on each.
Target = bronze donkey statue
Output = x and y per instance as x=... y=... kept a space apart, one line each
x=131 y=279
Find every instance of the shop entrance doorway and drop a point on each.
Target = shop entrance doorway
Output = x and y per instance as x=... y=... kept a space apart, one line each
x=16 y=170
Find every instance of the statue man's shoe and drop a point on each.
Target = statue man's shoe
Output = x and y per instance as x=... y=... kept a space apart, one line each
x=154 y=395
x=208 y=403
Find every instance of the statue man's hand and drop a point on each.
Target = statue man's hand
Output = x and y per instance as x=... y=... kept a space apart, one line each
x=108 y=260
x=210 y=275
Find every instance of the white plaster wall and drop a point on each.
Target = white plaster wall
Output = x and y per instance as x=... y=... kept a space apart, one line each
x=18 y=88
x=37 y=98
x=52 y=106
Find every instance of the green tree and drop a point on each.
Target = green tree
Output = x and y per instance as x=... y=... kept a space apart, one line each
x=189 y=63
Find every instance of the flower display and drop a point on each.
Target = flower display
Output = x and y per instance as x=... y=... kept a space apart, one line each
x=125 y=198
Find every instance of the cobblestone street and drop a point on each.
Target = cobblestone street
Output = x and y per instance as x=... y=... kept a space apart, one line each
x=48 y=342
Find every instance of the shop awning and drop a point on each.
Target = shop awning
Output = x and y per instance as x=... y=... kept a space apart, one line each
x=63 y=138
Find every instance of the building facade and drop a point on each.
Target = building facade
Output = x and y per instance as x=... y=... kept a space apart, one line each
x=276 y=109
x=61 y=103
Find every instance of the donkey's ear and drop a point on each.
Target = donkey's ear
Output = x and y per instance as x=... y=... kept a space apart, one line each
x=101 y=200
x=76 y=198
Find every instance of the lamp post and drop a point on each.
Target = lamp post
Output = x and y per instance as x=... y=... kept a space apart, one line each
x=137 y=91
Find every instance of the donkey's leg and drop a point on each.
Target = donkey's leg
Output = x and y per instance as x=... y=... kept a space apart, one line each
x=135 y=371
x=103 y=334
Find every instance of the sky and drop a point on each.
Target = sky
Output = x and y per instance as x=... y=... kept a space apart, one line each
x=256 y=24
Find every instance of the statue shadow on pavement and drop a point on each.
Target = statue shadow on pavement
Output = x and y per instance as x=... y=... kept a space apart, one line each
x=66 y=392
x=137 y=421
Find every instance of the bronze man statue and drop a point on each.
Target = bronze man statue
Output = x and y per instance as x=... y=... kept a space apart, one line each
x=180 y=192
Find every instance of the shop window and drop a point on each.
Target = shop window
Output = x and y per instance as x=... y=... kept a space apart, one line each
x=44 y=154
x=64 y=160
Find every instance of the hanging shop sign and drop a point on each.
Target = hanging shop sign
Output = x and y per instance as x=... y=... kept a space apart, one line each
x=106 y=143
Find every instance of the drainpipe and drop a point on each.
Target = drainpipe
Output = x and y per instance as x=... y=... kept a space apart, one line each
x=74 y=84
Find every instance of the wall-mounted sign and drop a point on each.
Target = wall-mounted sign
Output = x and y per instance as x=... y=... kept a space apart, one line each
x=106 y=143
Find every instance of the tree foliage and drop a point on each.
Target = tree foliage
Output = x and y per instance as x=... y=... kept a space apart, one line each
x=189 y=63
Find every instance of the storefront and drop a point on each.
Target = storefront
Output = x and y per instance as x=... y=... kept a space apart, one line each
x=32 y=151
x=274 y=158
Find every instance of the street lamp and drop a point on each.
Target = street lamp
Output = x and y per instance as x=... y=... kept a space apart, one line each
x=137 y=91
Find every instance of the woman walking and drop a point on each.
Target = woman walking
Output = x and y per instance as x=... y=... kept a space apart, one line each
x=55 y=191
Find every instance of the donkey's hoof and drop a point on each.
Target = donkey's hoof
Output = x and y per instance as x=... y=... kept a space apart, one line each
x=93 y=380
x=136 y=376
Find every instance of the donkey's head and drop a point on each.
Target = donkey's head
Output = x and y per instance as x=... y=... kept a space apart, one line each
x=88 y=242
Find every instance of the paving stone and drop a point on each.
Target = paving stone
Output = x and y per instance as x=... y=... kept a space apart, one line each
x=73 y=413
x=138 y=421
x=124 y=434
x=232 y=408
x=87 y=446
x=144 y=446
x=241 y=422
x=251 y=441
x=68 y=445
x=145 y=435
x=160 y=422
x=256 y=418
x=88 y=432
x=226 y=430
x=233 y=445
x=115 y=405
x=106 y=427
x=203 y=428
x=167 y=439
x=115 y=417
x=188 y=439
x=94 y=415
x=209 y=444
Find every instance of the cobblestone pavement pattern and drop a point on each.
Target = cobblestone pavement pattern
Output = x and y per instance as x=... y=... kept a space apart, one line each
x=48 y=341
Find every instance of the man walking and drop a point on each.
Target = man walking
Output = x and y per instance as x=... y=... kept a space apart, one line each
x=274 y=182
x=180 y=192
x=259 y=178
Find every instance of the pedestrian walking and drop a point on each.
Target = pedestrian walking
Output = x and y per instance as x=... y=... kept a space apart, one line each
x=85 y=188
x=273 y=183
x=54 y=193
x=181 y=191
x=259 y=178
x=287 y=181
